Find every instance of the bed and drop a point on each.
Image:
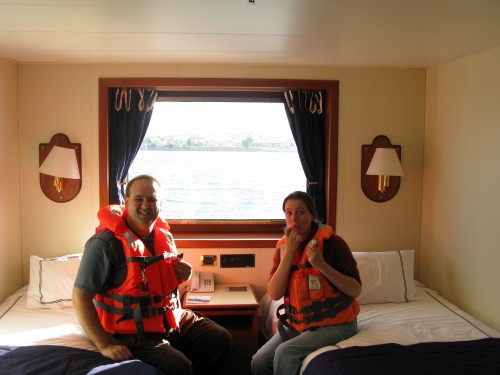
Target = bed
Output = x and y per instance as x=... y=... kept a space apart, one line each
x=403 y=327
x=39 y=332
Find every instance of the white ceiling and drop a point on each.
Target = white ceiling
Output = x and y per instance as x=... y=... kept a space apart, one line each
x=363 y=33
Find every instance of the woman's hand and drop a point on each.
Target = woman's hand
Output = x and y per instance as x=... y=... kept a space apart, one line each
x=314 y=256
x=346 y=284
x=277 y=284
x=291 y=240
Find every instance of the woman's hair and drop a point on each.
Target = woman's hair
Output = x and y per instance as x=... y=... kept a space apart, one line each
x=304 y=197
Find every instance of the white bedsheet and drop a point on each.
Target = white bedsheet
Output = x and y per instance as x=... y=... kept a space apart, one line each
x=22 y=326
x=429 y=317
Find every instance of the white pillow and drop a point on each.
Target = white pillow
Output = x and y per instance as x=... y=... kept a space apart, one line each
x=268 y=320
x=51 y=281
x=386 y=276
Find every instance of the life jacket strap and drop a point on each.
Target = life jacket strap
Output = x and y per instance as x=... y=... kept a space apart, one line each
x=318 y=310
x=146 y=261
x=138 y=324
x=300 y=266
x=284 y=326
x=139 y=312
x=128 y=300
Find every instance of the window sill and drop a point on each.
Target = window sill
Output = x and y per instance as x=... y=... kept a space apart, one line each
x=225 y=240
x=226 y=234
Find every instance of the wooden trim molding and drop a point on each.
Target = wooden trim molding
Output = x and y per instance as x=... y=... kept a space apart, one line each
x=228 y=86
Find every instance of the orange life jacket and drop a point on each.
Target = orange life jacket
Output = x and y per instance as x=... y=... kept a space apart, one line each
x=310 y=300
x=149 y=292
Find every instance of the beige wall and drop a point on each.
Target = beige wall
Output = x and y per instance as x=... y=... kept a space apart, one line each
x=460 y=252
x=460 y=210
x=59 y=98
x=54 y=99
x=64 y=98
x=10 y=214
x=374 y=102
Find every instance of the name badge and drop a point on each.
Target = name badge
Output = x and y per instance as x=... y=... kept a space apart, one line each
x=314 y=282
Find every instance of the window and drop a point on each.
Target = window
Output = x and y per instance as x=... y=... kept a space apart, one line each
x=242 y=88
x=219 y=160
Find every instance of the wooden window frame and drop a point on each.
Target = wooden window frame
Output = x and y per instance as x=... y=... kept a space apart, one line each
x=228 y=233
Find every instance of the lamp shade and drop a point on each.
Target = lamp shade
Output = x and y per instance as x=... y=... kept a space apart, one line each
x=61 y=162
x=385 y=162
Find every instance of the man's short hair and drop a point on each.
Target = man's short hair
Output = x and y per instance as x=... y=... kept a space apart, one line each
x=137 y=178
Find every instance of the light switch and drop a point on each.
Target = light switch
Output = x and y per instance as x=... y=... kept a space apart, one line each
x=208 y=260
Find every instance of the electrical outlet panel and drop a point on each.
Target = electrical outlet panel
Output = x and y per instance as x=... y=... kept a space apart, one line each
x=237 y=260
x=208 y=260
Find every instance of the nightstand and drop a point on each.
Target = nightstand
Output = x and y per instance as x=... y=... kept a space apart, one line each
x=235 y=307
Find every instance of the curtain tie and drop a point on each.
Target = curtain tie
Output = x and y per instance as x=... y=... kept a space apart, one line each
x=289 y=101
x=140 y=105
x=142 y=102
x=118 y=99
x=313 y=182
x=123 y=97
x=153 y=101
x=316 y=104
x=310 y=101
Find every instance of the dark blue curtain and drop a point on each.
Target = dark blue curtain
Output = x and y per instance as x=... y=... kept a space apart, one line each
x=306 y=116
x=130 y=112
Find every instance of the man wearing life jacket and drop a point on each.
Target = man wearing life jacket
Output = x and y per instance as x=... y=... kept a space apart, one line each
x=317 y=276
x=126 y=291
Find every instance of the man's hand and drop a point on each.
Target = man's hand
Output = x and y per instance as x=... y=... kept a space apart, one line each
x=116 y=352
x=182 y=270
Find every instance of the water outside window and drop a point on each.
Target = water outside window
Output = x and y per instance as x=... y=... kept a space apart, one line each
x=221 y=160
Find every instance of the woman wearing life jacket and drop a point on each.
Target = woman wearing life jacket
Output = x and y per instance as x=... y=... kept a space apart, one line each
x=316 y=274
x=125 y=294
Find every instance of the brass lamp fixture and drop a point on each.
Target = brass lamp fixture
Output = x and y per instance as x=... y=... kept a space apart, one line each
x=60 y=168
x=379 y=162
x=385 y=163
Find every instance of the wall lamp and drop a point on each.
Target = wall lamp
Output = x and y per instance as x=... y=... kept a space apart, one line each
x=380 y=161
x=60 y=168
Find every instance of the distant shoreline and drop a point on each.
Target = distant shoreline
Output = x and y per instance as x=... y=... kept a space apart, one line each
x=223 y=149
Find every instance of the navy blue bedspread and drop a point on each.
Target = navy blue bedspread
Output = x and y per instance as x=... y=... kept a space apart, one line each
x=461 y=357
x=59 y=360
